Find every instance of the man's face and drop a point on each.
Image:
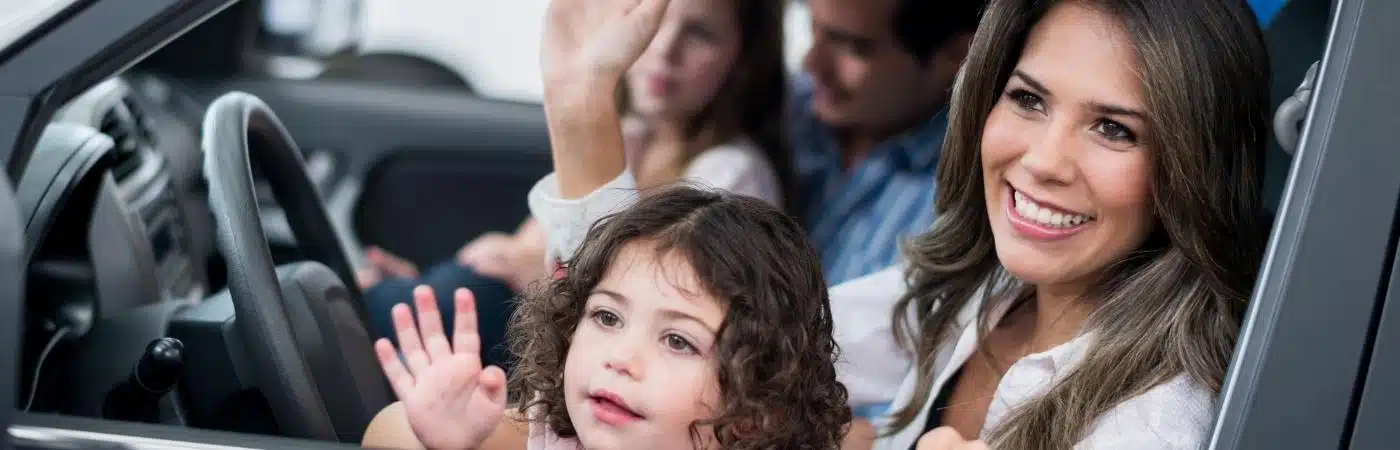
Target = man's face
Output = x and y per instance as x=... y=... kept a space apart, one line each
x=864 y=78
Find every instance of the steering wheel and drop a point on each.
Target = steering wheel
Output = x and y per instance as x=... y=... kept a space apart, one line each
x=305 y=334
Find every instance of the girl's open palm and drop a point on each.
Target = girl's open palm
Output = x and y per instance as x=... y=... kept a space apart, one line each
x=450 y=401
x=596 y=39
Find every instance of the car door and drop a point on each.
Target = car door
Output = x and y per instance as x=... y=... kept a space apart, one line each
x=1315 y=366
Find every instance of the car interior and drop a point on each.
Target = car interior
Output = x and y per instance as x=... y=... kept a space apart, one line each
x=141 y=236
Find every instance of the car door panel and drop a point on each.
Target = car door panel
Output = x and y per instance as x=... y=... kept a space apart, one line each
x=51 y=432
x=416 y=170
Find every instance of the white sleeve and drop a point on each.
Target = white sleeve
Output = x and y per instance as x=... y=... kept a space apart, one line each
x=567 y=221
x=1176 y=415
x=872 y=365
x=738 y=168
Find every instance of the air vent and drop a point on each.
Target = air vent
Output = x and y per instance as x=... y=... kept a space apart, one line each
x=129 y=130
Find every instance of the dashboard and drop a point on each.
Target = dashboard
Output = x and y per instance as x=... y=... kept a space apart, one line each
x=149 y=232
x=127 y=247
x=122 y=255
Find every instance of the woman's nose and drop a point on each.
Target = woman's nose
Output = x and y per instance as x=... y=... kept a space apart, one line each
x=1050 y=156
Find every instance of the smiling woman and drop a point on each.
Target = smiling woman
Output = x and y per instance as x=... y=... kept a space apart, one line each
x=1107 y=260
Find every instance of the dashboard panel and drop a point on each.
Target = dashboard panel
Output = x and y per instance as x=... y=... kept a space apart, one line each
x=124 y=244
x=153 y=189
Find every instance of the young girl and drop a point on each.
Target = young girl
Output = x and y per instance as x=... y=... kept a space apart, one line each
x=694 y=319
x=704 y=103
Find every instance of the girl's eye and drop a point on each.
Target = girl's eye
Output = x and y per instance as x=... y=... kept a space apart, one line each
x=679 y=344
x=1115 y=131
x=606 y=319
x=1026 y=100
x=700 y=31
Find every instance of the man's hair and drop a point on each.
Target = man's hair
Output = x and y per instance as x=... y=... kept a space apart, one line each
x=922 y=26
x=774 y=351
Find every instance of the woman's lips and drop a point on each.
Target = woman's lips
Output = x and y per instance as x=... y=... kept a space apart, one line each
x=1036 y=228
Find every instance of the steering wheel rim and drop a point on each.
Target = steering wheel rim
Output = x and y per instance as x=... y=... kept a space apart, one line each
x=239 y=129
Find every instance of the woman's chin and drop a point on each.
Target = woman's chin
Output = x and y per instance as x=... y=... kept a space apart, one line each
x=1031 y=265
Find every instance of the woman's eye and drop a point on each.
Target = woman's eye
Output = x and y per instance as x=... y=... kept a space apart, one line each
x=679 y=344
x=1115 y=131
x=1026 y=100
x=606 y=319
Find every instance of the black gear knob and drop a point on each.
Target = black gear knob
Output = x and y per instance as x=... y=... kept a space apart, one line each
x=160 y=366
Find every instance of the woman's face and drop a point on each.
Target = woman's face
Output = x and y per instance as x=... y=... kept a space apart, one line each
x=1065 y=170
x=688 y=61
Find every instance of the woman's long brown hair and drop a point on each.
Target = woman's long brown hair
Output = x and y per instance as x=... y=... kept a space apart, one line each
x=1172 y=307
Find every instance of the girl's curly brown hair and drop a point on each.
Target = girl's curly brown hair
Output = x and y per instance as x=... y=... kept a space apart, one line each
x=775 y=352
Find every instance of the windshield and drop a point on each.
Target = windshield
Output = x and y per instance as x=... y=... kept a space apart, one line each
x=22 y=16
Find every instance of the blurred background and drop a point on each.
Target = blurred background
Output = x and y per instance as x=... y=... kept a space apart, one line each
x=491 y=46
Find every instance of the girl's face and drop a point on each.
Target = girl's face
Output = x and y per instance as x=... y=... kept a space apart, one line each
x=640 y=368
x=688 y=61
x=1066 y=171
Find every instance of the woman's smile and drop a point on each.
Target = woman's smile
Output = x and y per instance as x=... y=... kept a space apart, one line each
x=1041 y=220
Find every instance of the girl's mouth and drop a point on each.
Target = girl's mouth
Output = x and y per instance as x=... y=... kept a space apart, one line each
x=609 y=408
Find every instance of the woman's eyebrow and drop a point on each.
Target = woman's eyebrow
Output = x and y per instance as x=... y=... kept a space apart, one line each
x=1034 y=83
x=1104 y=108
x=1109 y=109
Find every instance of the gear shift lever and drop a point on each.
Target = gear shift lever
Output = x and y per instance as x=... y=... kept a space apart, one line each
x=160 y=367
x=155 y=374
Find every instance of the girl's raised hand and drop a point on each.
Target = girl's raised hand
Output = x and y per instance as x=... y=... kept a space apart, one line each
x=587 y=47
x=596 y=40
x=449 y=400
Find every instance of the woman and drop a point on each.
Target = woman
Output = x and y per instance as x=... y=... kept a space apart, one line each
x=703 y=104
x=1098 y=230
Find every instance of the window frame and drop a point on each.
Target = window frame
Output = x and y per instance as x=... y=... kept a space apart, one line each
x=1297 y=373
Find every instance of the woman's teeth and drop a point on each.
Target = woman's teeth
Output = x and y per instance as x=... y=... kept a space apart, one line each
x=1046 y=216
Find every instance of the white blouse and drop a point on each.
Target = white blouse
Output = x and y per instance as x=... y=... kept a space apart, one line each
x=877 y=370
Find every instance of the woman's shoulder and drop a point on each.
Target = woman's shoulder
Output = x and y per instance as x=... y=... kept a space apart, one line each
x=739 y=166
x=740 y=152
x=1174 y=415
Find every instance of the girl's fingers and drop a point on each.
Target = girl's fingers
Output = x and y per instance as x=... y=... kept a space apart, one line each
x=430 y=324
x=465 y=339
x=409 y=343
x=399 y=378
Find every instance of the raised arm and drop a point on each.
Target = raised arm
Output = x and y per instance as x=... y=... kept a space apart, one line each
x=587 y=47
